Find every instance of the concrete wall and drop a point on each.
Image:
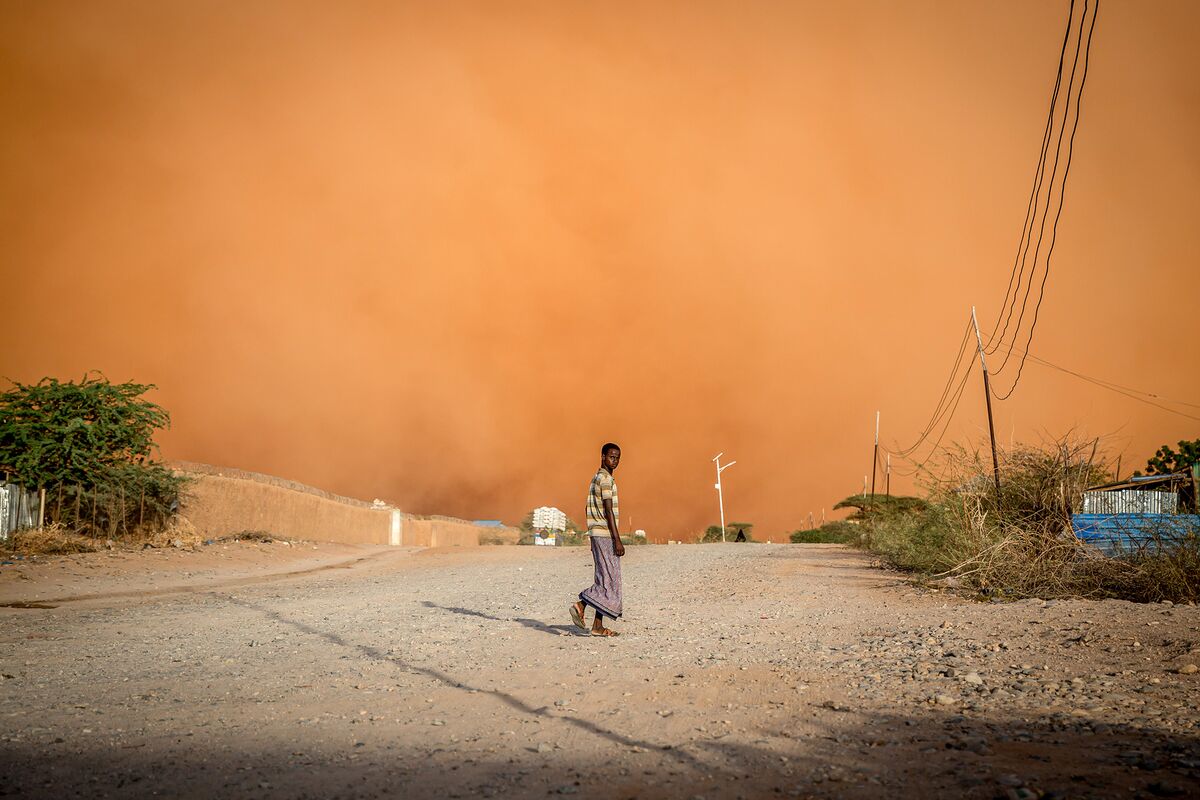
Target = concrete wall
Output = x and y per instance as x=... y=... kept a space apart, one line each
x=225 y=502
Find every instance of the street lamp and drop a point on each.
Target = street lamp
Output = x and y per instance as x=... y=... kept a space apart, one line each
x=720 y=496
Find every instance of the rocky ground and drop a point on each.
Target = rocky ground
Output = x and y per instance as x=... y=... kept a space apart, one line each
x=742 y=671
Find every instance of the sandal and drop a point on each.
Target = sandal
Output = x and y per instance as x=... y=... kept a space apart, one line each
x=577 y=617
x=605 y=632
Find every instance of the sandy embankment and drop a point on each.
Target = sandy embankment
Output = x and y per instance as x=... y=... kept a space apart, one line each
x=132 y=574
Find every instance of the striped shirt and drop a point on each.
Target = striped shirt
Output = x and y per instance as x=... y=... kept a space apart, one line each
x=603 y=488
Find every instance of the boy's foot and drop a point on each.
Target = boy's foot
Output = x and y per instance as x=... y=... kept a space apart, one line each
x=604 y=632
x=577 y=615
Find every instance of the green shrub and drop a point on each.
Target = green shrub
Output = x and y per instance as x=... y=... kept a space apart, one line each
x=713 y=532
x=836 y=532
x=90 y=446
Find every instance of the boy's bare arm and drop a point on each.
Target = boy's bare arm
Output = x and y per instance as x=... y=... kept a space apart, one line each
x=611 y=519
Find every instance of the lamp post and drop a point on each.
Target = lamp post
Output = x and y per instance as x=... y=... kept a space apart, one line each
x=720 y=496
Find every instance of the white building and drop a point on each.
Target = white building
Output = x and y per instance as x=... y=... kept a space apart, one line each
x=548 y=518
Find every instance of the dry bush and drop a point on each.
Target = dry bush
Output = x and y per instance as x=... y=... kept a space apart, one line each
x=178 y=532
x=1040 y=484
x=1024 y=545
x=50 y=540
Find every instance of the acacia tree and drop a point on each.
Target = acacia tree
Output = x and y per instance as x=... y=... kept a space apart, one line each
x=90 y=444
x=1166 y=460
x=713 y=532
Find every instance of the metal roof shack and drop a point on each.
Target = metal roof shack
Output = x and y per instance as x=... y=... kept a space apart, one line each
x=1141 y=513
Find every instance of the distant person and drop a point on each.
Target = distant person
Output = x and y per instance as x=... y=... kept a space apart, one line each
x=604 y=596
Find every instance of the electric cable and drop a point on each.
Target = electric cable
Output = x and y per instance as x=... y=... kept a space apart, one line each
x=1118 y=388
x=1058 y=213
x=939 y=408
x=953 y=409
x=1035 y=192
x=1062 y=188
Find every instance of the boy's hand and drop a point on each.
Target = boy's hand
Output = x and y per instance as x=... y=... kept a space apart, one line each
x=618 y=547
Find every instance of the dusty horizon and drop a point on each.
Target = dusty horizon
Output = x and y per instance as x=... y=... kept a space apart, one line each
x=439 y=254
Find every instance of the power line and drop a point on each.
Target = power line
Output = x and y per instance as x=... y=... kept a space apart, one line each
x=1062 y=188
x=952 y=410
x=939 y=409
x=1061 y=198
x=1134 y=394
x=1031 y=207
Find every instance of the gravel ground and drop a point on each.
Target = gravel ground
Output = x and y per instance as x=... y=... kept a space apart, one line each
x=742 y=671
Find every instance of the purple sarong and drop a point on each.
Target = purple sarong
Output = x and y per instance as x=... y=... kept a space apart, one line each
x=605 y=593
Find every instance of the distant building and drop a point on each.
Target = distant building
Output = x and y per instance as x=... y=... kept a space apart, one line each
x=548 y=518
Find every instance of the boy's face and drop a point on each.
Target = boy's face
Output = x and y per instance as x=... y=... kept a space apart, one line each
x=610 y=459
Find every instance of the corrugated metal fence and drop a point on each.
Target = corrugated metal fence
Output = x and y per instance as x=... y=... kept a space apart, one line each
x=1130 y=501
x=18 y=509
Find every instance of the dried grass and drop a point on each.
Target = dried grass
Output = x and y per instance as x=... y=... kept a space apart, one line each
x=179 y=532
x=51 y=540
x=57 y=539
x=1024 y=546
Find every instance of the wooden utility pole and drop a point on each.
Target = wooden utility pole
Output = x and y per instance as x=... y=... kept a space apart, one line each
x=887 y=476
x=875 y=455
x=987 y=392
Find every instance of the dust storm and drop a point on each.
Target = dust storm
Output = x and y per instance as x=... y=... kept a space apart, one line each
x=439 y=253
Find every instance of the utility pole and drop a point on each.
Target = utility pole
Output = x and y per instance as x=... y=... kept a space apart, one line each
x=875 y=455
x=720 y=495
x=887 y=476
x=987 y=391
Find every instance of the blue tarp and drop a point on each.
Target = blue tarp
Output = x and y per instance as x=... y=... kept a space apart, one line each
x=1129 y=533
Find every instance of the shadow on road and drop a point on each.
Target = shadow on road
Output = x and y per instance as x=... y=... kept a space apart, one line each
x=375 y=654
x=841 y=754
x=537 y=625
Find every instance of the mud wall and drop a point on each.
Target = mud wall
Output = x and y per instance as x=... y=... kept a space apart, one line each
x=224 y=502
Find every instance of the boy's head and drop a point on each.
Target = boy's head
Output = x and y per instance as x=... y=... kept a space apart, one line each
x=610 y=456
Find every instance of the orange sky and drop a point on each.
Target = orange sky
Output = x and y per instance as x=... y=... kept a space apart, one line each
x=439 y=252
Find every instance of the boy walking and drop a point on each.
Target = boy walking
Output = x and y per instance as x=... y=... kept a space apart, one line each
x=604 y=596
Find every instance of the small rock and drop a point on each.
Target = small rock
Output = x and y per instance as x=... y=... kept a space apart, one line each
x=1188 y=669
x=1010 y=780
x=544 y=747
x=945 y=700
x=973 y=679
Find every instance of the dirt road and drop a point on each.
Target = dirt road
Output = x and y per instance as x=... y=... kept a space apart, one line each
x=742 y=671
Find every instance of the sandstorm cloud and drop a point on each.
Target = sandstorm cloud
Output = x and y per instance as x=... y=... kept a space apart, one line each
x=439 y=253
